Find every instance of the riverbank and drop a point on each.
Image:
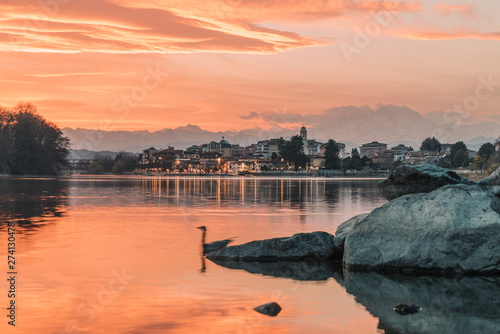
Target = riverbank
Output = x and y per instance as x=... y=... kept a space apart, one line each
x=471 y=175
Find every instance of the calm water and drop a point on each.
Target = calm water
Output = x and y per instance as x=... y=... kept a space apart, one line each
x=123 y=255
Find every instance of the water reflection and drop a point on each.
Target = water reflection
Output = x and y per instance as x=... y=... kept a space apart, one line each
x=146 y=227
x=31 y=202
x=298 y=193
x=449 y=305
x=460 y=305
x=300 y=271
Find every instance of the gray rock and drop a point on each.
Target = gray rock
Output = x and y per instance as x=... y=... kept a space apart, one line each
x=344 y=229
x=451 y=230
x=405 y=309
x=298 y=270
x=271 y=309
x=316 y=246
x=418 y=179
x=449 y=305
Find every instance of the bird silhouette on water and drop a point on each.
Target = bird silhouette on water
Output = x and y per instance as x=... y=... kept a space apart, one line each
x=213 y=246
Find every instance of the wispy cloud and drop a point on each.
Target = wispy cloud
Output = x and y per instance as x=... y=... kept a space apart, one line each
x=453 y=9
x=273 y=10
x=436 y=35
x=56 y=75
x=18 y=81
x=153 y=26
x=100 y=26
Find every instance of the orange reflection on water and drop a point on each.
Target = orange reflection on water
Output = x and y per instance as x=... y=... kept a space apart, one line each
x=124 y=257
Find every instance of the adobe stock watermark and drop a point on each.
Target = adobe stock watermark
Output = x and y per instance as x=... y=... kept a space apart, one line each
x=485 y=89
x=364 y=37
x=89 y=309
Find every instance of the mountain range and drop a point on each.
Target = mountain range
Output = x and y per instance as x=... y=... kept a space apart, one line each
x=350 y=124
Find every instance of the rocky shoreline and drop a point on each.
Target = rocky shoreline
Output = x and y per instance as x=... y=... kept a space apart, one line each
x=434 y=223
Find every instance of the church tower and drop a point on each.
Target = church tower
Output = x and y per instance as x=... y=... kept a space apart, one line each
x=303 y=134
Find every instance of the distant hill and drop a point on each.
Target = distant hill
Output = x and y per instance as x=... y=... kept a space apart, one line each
x=351 y=124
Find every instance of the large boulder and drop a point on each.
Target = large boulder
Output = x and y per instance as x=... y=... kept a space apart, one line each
x=418 y=179
x=455 y=229
x=302 y=246
x=345 y=228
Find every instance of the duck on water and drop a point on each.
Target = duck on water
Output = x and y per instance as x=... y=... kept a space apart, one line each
x=213 y=246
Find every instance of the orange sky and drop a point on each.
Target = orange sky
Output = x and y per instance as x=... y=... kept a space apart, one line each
x=123 y=64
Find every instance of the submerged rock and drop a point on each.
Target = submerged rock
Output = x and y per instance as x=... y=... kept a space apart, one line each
x=317 y=246
x=453 y=229
x=270 y=309
x=418 y=179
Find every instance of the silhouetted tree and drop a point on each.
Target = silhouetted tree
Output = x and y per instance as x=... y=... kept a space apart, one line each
x=455 y=149
x=356 y=162
x=459 y=145
x=130 y=161
x=486 y=150
x=460 y=159
x=484 y=153
x=29 y=143
x=331 y=155
x=293 y=151
x=430 y=144
x=6 y=140
x=118 y=167
x=274 y=157
x=346 y=164
x=107 y=163
x=95 y=168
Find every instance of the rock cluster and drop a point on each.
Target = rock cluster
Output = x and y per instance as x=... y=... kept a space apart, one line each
x=435 y=223
x=454 y=229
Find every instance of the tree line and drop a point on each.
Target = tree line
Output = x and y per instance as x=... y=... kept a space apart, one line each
x=292 y=152
x=459 y=157
x=123 y=162
x=29 y=144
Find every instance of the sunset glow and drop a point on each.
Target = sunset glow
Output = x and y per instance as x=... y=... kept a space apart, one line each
x=149 y=65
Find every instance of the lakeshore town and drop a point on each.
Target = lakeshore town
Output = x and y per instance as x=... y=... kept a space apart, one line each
x=266 y=158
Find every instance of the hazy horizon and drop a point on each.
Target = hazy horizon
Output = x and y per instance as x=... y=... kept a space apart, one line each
x=352 y=125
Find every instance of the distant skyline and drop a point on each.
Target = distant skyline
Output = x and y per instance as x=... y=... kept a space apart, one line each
x=351 y=125
x=234 y=64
